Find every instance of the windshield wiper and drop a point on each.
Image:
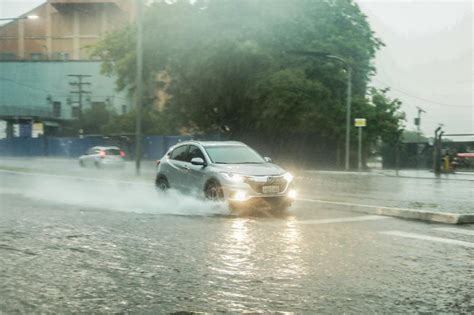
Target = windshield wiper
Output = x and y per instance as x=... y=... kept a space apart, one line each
x=250 y=163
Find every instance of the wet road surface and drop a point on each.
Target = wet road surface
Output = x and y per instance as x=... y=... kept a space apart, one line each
x=72 y=245
x=419 y=190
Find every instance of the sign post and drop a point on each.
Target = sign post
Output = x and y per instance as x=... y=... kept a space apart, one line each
x=360 y=123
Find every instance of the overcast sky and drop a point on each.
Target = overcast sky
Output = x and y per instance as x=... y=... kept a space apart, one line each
x=427 y=61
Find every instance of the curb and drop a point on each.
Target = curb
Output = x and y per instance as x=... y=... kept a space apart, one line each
x=404 y=213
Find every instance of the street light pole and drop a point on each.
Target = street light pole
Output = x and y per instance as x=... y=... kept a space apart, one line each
x=418 y=135
x=348 y=116
x=139 y=87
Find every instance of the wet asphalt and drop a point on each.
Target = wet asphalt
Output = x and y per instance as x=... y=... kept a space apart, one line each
x=107 y=245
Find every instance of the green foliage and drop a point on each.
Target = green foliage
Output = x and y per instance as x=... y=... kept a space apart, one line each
x=98 y=120
x=230 y=65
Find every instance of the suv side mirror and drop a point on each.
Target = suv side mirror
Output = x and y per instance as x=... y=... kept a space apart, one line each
x=198 y=161
x=267 y=159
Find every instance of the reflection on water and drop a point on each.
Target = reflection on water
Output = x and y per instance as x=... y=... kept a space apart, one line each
x=248 y=254
x=291 y=262
x=236 y=249
x=245 y=253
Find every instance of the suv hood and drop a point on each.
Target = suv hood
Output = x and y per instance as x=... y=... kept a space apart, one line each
x=267 y=169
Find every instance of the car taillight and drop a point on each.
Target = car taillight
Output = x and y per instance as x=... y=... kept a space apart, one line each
x=102 y=153
x=122 y=154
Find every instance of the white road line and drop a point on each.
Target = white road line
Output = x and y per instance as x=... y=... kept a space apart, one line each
x=75 y=177
x=456 y=230
x=429 y=238
x=342 y=220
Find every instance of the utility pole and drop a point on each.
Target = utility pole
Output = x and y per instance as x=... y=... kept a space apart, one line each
x=418 y=135
x=80 y=89
x=139 y=87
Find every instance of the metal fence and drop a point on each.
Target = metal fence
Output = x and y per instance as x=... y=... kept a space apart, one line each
x=154 y=147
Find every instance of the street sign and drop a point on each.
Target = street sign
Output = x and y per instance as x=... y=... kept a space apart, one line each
x=360 y=122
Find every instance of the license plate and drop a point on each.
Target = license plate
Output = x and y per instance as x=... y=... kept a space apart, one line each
x=270 y=189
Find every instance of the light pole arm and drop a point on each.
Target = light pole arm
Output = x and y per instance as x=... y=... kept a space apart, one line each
x=27 y=17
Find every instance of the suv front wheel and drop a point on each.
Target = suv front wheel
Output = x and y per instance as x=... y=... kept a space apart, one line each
x=213 y=191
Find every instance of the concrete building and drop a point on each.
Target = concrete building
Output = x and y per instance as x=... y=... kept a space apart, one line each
x=47 y=74
x=64 y=29
x=52 y=92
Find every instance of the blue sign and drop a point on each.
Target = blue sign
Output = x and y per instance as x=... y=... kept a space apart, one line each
x=25 y=130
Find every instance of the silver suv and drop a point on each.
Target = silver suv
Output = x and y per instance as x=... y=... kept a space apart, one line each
x=226 y=171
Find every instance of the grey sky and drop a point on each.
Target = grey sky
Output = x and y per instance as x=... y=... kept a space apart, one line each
x=427 y=61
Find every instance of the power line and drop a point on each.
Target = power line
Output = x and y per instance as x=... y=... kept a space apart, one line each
x=54 y=92
x=25 y=85
x=421 y=98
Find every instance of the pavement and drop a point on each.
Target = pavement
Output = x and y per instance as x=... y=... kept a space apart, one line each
x=98 y=242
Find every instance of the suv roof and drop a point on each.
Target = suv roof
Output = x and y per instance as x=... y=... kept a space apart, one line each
x=212 y=143
x=105 y=148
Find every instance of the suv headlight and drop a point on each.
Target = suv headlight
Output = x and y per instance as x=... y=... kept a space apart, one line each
x=288 y=177
x=236 y=178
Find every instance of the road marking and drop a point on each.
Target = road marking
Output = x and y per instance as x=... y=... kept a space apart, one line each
x=342 y=220
x=75 y=177
x=429 y=238
x=456 y=230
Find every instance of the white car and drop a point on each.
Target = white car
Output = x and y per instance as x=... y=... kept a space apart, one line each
x=103 y=157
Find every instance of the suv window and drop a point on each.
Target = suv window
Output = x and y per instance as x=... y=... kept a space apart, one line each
x=93 y=151
x=194 y=152
x=180 y=153
x=113 y=151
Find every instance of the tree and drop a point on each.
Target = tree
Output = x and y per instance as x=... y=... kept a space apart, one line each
x=230 y=71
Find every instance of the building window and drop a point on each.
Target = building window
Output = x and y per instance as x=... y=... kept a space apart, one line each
x=7 y=56
x=56 y=109
x=62 y=56
x=98 y=105
x=75 y=112
x=36 y=56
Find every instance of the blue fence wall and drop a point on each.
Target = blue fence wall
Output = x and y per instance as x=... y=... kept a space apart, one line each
x=153 y=147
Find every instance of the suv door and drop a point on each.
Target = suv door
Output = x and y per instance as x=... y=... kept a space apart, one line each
x=196 y=173
x=177 y=160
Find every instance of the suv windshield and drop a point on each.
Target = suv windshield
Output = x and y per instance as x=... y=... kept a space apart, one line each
x=233 y=155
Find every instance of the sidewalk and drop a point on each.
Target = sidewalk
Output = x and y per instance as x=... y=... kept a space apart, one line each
x=460 y=175
x=453 y=193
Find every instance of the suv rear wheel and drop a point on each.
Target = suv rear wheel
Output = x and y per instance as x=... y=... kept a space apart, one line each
x=162 y=184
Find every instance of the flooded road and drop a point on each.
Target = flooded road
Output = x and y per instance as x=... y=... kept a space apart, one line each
x=70 y=245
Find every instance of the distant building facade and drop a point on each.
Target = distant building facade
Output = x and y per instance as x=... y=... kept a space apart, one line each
x=63 y=30
x=47 y=74
x=52 y=92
